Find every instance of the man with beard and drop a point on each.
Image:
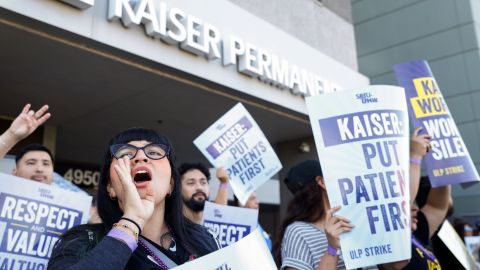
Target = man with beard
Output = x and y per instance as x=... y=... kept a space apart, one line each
x=196 y=189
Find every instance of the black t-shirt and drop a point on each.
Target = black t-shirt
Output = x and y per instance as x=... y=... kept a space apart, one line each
x=422 y=258
x=444 y=255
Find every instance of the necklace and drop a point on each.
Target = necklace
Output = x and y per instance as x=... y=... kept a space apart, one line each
x=173 y=245
x=427 y=253
x=154 y=256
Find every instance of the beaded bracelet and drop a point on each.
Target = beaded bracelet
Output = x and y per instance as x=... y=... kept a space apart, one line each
x=134 y=223
x=128 y=228
x=224 y=185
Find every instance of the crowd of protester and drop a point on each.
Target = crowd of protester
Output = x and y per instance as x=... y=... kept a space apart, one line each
x=150 y=212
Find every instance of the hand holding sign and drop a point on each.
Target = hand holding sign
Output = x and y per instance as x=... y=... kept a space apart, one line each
x=133 y=206
x=420 y=144
x=336 y=225
x=222 y=175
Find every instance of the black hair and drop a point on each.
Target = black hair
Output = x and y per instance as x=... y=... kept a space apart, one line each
x=307 y=206
x=32 y=147
x=193 y=237
x=185 y=167
x=109 y=210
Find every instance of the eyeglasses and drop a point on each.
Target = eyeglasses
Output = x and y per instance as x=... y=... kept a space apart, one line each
x=152 y=151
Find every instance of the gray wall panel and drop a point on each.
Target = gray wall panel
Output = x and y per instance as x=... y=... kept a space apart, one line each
x=444 y=32
x=312 y=22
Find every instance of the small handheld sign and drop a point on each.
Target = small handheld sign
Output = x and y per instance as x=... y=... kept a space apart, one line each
x=229 y=223
x=237 y=143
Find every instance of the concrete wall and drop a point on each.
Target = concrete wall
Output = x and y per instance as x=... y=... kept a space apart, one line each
x=444 y=32
x=324 y=25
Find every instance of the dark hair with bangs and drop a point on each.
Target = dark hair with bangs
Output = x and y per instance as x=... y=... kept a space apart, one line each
x=195 y=239
x=110 y=212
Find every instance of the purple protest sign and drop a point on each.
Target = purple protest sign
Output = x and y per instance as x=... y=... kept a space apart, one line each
x=449 y=161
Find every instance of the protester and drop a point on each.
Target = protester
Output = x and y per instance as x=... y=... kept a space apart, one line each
x=426 y=220
x=309 y=235
x=195 y=188
x=35 y=162
x=443 y=254
x=253 y=203
x=140 y=205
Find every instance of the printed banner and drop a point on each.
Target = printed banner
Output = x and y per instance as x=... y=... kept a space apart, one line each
x=229 y=223
x=236 y=142
x=32 y=218
x=363 y=145
x=454 y=243
x=251 y=252
x=448 y=162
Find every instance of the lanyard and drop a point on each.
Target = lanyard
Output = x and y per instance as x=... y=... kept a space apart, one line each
x=161 y=259
x=427 y=253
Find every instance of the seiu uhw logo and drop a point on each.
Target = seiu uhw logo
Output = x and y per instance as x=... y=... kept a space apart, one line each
x=366 y=98
x=217 y=213
x=223 y=267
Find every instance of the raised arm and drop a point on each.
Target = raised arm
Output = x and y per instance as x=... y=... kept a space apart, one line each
x=419 y=146
x=435 y=210
x=439 y=198
x=24 y=125
x=222 y=194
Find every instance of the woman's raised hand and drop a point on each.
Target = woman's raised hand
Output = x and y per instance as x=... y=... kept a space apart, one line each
x=133 y=206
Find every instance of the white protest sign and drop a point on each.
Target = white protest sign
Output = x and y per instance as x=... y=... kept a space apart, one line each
x=363 y=145
x=251 y=252
x=32 y=217
x=454 y=243
x=229 y=223
x=472 y=244
x=236 y=142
